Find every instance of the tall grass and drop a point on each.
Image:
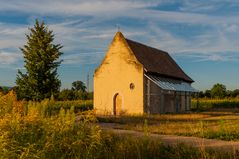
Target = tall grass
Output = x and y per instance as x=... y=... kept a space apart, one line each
x=27 y=131
x=53 y=107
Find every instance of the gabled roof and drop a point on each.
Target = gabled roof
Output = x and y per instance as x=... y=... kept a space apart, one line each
x=157 y=61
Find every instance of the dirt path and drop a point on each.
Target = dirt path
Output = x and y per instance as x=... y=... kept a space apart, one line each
x=172 y=140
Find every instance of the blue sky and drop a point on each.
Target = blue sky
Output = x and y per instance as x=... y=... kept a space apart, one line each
x=202 y=36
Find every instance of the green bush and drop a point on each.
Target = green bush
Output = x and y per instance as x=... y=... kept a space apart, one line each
x=53 y=107
x=206 y=104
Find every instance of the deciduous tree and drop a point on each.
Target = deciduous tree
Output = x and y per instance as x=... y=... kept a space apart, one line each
x=79 y=86
x=218 y=91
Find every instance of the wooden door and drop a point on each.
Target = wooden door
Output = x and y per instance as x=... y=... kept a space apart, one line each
x=117 y=104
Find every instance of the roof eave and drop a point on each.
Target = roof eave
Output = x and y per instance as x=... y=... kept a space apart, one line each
x=168 y=76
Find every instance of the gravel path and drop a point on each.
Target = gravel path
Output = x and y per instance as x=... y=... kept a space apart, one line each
x=174 y=140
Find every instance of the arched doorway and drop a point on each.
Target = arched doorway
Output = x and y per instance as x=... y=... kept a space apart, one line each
x=117 y=107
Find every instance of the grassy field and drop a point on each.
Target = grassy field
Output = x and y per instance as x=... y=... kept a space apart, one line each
x=204 y=104
x=213 y=125
x=27 y=131
x=31 y=130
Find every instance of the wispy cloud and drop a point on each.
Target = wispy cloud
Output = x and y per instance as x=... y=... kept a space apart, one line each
x=215 y=57
x=7 y=58
x=88 y=26
x=195 y=30
x=74 y=7
x=83 y=58
x=12 y=36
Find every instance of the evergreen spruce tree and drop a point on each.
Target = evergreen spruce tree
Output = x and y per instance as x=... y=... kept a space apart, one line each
x=41 y=59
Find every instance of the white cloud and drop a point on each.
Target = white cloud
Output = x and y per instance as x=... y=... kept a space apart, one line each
x=211 y=45
x=93 y=34
x=199 y=6
x=12 y=35
x=83 y=58
x=86 y=27
x=211 y=58
x=109 y=9
x=7 y=58
x=112 y=9
x=216 y=57
x=73 y=7
x=231 y=28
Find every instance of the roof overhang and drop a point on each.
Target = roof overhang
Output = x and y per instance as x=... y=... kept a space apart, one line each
x=171 y=84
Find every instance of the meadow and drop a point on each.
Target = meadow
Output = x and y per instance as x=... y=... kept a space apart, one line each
x=210 y=118
x=204 y=104
x=211 y=125
x=32 y=130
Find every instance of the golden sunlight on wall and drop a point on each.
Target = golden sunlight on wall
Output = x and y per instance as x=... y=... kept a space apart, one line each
x=118 y=81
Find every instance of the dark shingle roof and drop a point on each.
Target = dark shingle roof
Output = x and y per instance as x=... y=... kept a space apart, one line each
x=157 y=61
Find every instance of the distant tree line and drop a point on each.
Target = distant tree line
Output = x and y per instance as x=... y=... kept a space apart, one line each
x=218 y=91
x=77 y=92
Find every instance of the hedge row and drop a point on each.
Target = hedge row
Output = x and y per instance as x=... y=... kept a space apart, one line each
x=205 y=104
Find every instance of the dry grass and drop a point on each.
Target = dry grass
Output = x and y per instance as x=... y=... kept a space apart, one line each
x=223 y=126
